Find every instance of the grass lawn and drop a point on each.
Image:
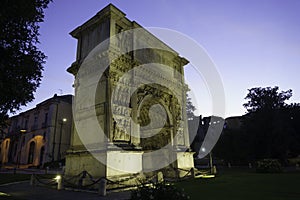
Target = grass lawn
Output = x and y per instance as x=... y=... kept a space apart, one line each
x=230 y=184
x=9 y=178
x=239 y=185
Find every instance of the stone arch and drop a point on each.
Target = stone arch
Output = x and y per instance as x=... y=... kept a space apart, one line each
x=7 y=144
x=10 y=149
x=35 y=153
x=156 y=100
x=5 y=147
x=42 y=152
x=31 y=152
x=158 y=137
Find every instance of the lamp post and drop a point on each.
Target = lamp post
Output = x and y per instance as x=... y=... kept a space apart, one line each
x=210 y=162
x=60 y=135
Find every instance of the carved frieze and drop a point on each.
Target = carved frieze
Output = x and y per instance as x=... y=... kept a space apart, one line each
x=121 y=128
x=121 y=110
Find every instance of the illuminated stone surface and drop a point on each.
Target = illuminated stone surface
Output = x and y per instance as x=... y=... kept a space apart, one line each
x=139 y=102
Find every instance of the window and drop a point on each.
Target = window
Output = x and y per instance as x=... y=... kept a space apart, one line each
x=42 y=155
x=15 y=125
x=45 y=123
x=35 y=120
x=46 y=118
x=26 y=124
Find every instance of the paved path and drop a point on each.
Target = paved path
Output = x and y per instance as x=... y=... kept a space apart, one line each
x=23 y=191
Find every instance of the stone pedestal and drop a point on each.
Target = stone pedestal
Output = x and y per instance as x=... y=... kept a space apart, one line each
x=77 y=162
x=121 y=163
x=185 y=162
x=104 y=164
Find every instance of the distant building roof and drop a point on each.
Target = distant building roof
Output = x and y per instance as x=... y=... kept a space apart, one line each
x=66 y=98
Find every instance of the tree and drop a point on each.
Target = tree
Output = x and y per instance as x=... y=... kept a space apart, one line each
x=266 y=99
x=233 y=146
x=268 y=123
x=190 y=108
x=21 y=62
x=270 y=129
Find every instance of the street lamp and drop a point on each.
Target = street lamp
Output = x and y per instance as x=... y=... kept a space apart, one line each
x=64 y=120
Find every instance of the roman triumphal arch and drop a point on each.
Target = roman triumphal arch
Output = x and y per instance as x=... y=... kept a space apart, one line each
x=129 y=106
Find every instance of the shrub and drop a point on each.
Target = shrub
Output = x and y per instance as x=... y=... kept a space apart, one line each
x=294 y=161
x=158 y=191
x=268 y=166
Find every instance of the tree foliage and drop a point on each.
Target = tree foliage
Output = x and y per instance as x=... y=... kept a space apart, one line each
x=264 y=99
x=21 y=62
x=270 y=129
x=190 y=108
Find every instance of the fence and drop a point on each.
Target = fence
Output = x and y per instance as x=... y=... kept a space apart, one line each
x=85 y=181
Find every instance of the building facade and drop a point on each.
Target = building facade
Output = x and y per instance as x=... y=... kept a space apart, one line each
x=39 y=135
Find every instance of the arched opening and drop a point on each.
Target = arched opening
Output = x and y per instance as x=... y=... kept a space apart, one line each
x=159 y=114
x=42 y=155
x=156 y=127
x=152 y=136
x=31 y=152
x=9 y=147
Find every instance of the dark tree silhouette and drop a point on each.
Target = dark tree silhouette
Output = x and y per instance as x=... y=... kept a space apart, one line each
x=266 y=99
x=269 y=130
x=21 y=62
x=268 y=123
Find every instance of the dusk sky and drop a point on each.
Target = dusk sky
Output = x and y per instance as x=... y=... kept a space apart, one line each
x=252 y=43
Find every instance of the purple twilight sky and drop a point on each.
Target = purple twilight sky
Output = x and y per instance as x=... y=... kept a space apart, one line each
x=252 y=43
